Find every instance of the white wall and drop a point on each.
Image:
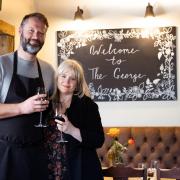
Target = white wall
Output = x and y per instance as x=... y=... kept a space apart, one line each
x=118 y=14
x=13 y=11
x=110 y=14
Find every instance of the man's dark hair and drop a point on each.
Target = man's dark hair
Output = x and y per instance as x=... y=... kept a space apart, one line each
x=37 y=15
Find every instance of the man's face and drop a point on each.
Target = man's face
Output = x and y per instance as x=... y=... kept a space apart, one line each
x=32 y=35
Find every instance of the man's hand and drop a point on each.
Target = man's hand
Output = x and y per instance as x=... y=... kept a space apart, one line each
x=35 y=103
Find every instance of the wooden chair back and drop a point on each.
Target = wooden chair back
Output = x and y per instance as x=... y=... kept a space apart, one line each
x=173 y=173
x=121 y=172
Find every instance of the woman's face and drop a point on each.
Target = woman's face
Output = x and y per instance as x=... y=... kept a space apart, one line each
x=67 y=82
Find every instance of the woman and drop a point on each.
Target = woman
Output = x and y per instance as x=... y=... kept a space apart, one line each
x=75 y=159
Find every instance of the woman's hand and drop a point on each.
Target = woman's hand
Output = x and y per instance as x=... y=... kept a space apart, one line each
x=68 y=128
x=65 y=126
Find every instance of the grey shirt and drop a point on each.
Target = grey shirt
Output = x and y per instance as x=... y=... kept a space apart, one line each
x=25 y=68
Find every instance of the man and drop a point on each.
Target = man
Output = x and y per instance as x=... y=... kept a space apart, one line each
x=22 y=156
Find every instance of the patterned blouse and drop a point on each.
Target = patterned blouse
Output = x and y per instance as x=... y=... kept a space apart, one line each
x=56 y=152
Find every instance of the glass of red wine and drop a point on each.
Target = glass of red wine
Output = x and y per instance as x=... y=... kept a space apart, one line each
x=58 y=116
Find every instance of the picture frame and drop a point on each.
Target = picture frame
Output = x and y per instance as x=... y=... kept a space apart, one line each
x=7 y=37
x=127 y=64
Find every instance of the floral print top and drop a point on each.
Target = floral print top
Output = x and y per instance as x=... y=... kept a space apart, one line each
x=56 y=152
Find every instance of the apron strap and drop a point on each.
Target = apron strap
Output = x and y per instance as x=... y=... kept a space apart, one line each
x=7 y=79
x=40 y=74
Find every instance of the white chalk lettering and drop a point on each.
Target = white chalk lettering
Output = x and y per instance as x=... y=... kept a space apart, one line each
x=110 y=50
x=134 y=77
x=116 y=61
x=95 y=74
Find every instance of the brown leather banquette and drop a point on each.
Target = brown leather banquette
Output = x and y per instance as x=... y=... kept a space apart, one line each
x=161 y=143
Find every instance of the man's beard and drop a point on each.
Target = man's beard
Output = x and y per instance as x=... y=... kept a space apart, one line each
x=31 y=48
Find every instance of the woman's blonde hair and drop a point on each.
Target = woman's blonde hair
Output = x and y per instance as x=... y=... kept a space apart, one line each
x=76 y=67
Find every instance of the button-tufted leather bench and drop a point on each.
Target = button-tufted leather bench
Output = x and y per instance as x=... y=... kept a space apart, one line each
x=161 y=143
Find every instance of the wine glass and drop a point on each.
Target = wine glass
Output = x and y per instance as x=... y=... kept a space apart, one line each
x=58 y=116
x=142 y=165
x=154 y=164
x=153 y=168
x=41 y=90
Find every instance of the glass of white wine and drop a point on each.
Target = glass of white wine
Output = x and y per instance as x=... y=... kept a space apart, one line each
x=41 y=90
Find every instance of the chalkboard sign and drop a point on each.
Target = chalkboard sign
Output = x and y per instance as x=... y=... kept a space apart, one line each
x=131 y=64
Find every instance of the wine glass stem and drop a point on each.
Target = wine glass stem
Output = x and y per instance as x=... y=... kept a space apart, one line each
x=40 y=118
x=61 y=135
x=56 y=112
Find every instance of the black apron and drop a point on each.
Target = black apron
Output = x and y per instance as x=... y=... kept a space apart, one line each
x=22 y=156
